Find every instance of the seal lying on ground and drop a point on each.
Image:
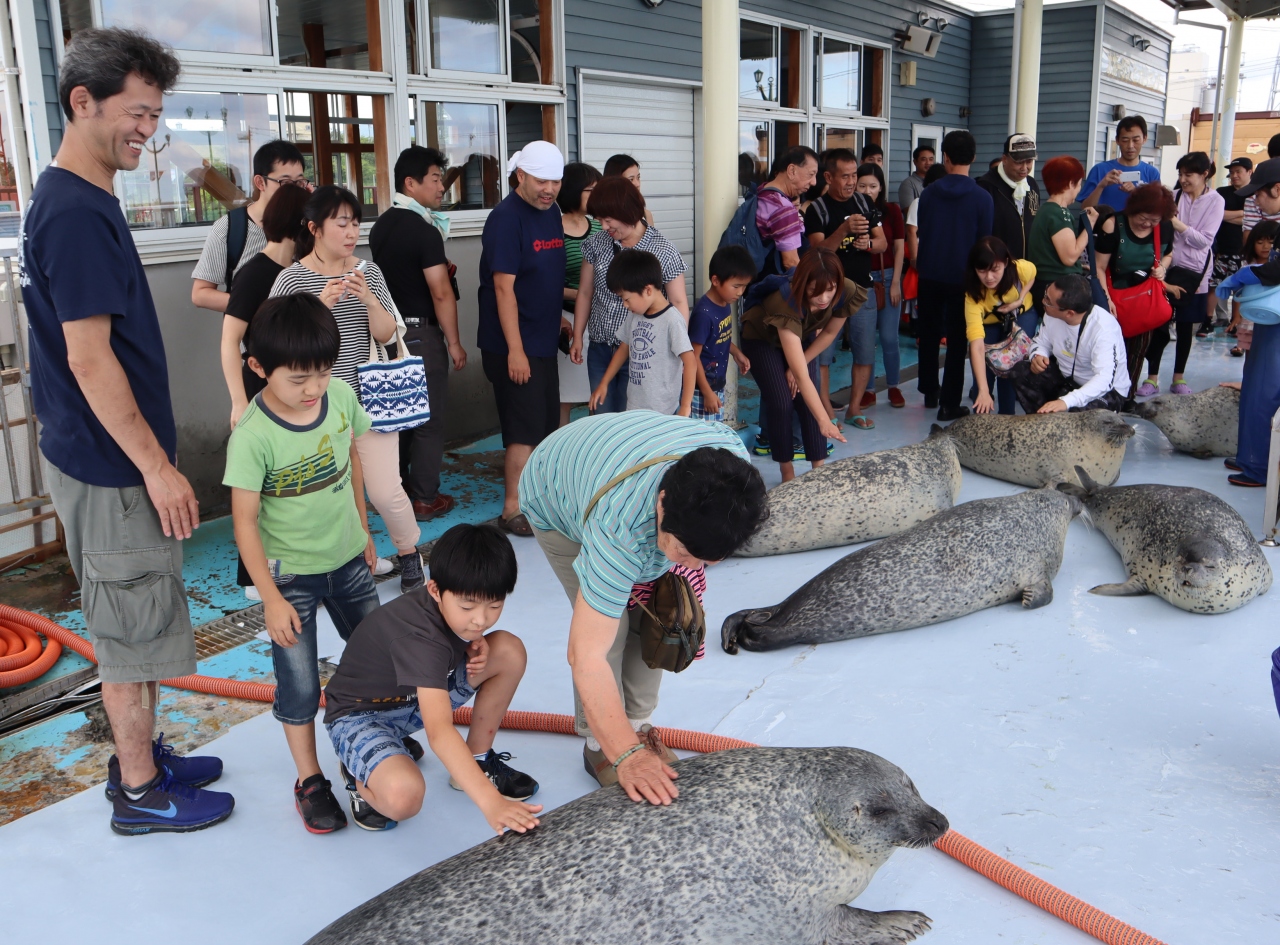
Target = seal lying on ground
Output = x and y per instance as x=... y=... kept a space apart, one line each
x=977 y=555
x=1185 y=545
x=859 y=499
x=1041 y=449
x=1203 y=424
x=764 y=846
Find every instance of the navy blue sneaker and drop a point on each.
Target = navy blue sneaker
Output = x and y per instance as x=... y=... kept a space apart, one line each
x=170 y=807
x=193 y=772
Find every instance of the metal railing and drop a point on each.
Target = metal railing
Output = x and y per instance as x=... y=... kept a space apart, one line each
x=28 y=525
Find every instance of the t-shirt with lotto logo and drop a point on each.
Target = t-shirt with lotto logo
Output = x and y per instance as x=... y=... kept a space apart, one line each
x=308 y=518
x=711 y=326
x=521 y=240
x=655 y=343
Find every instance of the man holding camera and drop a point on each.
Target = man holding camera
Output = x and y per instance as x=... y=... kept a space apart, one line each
x=849 y=223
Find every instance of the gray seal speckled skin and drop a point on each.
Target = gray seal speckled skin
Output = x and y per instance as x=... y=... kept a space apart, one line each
x=764 y=846
x=1042 y=449
x=977 y=555
x=859 y=499
x=1185 y=545
x=1204 y=424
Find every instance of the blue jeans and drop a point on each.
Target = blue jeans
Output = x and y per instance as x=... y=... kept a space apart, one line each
x=1259 y=400
x=1275 y=676
x=598 y=358
x=349 y=595
x=887 y=320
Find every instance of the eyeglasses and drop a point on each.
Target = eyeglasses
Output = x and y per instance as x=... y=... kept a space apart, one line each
x=292 y=181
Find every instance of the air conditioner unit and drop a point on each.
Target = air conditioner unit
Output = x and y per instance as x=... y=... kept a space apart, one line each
x=922 y=41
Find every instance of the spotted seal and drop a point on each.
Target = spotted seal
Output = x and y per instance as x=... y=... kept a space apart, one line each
x=976 y=555
x=1185 y=545
x=764 y=846
x=1042 y=449
x=860 y=498
x=1203 y=424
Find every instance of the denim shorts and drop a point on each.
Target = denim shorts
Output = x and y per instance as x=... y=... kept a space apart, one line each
x=349 y=595
x=861 y=328
x=363 y=740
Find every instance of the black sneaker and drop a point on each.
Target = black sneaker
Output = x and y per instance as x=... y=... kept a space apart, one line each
x=361 y=810
x=411 y=575
x=512 y=784
x=320 y=810
x=762 y=446
x=952 y=413
x=413 y=747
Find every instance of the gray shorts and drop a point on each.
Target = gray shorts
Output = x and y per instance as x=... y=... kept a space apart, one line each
x=131 y=590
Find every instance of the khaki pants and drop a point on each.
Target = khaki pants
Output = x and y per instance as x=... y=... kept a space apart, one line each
x=637 y=683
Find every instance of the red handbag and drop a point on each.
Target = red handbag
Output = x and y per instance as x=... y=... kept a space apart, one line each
x=1143 y=307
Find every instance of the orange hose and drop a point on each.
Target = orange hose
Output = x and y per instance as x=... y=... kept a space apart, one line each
x=996 y=868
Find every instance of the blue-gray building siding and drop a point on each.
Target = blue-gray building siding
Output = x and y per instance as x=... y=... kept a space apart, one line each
x=1118 y=31
x=626 y=36
x=49 y=74
x=990 y=78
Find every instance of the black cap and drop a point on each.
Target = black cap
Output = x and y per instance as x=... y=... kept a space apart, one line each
x=1264 y=175
x=1246 y=163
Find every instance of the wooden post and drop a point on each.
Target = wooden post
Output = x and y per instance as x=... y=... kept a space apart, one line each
x=875 y=108
x=321 y=156
x=547 y=45
x=382 y=161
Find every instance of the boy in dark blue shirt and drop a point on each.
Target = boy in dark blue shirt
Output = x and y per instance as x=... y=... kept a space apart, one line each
x=711 y=328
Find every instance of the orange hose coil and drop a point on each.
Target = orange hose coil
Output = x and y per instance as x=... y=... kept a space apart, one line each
x=19 y=627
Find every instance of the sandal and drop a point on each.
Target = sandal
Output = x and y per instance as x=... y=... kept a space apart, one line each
x=861 y=422
x=516 y=525
x=1237 y=353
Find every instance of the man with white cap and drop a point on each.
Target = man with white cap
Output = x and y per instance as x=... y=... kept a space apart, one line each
x=1015 y=192
x=522 y=265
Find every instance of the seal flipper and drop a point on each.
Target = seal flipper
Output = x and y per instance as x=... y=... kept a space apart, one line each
x=1134 y=587
x=732 y=631
x=1037 y=594
x=853 y=926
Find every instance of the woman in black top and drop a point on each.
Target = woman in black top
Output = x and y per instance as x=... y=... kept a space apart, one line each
x=282 y=223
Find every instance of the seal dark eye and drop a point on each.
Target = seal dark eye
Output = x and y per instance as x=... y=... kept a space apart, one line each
x=881 y=811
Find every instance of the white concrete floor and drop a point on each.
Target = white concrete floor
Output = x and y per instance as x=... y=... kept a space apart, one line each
x=1118 y=747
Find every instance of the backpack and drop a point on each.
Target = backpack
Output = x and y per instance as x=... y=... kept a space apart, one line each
x=742 y=231
x=237 y=236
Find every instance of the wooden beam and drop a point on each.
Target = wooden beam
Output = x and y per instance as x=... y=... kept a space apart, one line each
x=795 y=53
x=875 y=108
x=321 y=156
x=549 y=123
x=547 y=51
x=373 y=27
x=381 y=154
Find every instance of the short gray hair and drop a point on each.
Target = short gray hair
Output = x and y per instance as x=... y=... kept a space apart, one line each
x=101 y=60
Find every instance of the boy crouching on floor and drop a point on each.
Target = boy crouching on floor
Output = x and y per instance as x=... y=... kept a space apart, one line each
x=410 y=664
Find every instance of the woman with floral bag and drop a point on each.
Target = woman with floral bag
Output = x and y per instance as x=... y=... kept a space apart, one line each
x=997 y=290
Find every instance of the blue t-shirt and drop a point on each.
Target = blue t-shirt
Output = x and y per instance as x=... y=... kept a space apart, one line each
x=526 y=242
x=79 y=259
x=1112 y=195
x=711 y=326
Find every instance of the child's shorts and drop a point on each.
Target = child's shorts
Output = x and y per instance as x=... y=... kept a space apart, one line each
x=363 y=740
x=699 y=411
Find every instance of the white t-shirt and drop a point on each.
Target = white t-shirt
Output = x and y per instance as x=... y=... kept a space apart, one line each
x=1093 y=353
x=913 y=213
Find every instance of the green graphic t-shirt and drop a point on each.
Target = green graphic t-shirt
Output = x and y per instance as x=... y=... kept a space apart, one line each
x=308 y=518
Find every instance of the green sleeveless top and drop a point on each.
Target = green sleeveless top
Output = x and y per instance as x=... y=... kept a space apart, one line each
x=1131 y=255
x=573 y=254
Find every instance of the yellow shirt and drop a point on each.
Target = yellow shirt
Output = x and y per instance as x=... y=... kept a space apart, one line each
x=979 y=314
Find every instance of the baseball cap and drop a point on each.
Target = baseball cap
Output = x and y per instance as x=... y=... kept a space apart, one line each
x=1020 y=147
x=1264 y=175
x=1246 y=163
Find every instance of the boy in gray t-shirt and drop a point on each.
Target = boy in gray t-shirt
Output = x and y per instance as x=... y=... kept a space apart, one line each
x=654 y=339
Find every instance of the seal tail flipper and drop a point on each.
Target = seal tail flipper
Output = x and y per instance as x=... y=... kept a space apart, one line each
x=1133 y=587
x=1037 y=595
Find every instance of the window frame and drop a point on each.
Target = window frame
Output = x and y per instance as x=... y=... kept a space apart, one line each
x=265 y=75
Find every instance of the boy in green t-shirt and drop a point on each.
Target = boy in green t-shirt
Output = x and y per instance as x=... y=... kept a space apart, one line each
x=297 y=503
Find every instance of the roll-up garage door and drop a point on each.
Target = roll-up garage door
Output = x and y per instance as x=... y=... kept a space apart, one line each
x=653 y=122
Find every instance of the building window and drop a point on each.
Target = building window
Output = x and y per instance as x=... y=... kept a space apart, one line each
x=526 y=39
x=836 y=73
x=467 y=134
x=769 y=64
x=466 y=36
x=325 y=34
x=199 y=164
x=335 y=133
x=240 y=27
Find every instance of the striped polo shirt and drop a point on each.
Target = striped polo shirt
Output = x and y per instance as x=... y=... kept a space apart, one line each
x=620 y=539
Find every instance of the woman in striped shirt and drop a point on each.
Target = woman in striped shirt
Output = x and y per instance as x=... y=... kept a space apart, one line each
x=356 y=293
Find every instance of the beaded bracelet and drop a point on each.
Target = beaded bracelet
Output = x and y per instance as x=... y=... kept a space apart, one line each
x=627 y=754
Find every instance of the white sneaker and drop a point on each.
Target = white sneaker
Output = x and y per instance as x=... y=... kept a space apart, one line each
x=251 y=592
x=383 y=566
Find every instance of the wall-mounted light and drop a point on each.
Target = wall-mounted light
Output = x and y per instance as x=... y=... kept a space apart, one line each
x=965 y=111
x=927 y=107
x=940 y=24
x=1117 y=112
x=1141 y=42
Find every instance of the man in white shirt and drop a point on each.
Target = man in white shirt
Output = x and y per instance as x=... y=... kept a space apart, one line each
x=1077 y=360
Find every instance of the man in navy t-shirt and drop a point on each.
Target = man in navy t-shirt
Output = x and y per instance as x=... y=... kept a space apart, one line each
x=101 y=389
x=522 y=264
